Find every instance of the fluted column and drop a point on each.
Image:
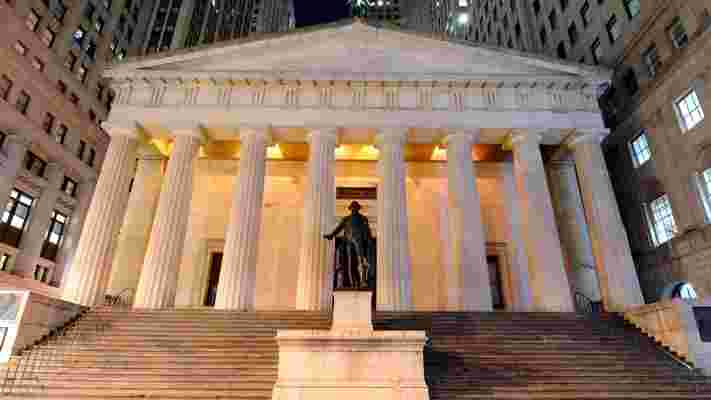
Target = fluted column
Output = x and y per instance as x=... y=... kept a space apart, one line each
x=468 y=279
x=84 y=283
x=238 y=277
x=619 y=284
x=14 y=152
x=34 y=238
x=316 y=257
x=548 y=280
x=394 y=275
x=136 y=229
x=85 y=192
x=159 y=276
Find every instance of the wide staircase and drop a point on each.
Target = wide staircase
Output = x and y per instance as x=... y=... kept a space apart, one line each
x=209 y=354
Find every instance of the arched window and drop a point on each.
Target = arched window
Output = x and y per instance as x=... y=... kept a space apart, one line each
x=684 y=291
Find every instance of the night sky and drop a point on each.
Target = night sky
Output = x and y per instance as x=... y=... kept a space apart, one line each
x=314 y=12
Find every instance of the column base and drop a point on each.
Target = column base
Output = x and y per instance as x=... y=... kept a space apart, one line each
x=351 y=361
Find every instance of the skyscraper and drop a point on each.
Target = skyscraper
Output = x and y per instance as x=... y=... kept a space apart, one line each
x=188 y=23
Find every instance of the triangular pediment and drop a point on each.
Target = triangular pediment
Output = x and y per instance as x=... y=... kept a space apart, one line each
x=354 y=50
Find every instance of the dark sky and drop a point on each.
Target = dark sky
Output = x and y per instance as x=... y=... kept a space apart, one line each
x=313 y=12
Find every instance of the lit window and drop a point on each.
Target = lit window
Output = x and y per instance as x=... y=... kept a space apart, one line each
x=690 y=111
x=17 y=210
x=640 y=150
x=684 y=291
x=56 y=228
x=663 y=226
x=463 y=3
x=632 y=7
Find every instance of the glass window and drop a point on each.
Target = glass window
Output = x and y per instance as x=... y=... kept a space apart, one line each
x=47 y=37
x=23 y=102
x=596 y=50
x=69 y=186
x=20 y=48
x=684 y=291
x=5 y=87
x=4 y=261
x=678 y=34
x=663 y=225
x=704 y=183
x=640 y=150
x=61 y=134
x=613 y=28
x=690 y=111
x=585 y=14
x=48 y=123
x=650 y=57
x=17 y=209
x=56 y=228
x=632 y=7
x=32 y=20
x=38 y=64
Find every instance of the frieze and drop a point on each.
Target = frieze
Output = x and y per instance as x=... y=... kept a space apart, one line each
x=454 y=96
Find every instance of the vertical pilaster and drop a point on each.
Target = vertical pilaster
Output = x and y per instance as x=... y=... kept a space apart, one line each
x=40 y=218
x=549 y=282
x=394 y=275
x=238 y=277
x=159 y=276
x=316 y=256
x=136 y=228
x=468 y=280
x=619 y=284
x=11 y=160
x=84 y=283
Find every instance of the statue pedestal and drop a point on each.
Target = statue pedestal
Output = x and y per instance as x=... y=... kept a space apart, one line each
x=351 y=361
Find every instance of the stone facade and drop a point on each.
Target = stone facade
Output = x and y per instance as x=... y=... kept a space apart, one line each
x=52 y=100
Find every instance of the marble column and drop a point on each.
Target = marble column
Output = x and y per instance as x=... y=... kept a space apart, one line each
x=136 y=229
x=84 y=283
x=159 y=276
x=14 y=152
x=468 y=279
x=40 y=218
x=394 y=275
x=238 y=277
x=619 y=284
x=316 y=257
x=85 y=192
x=548 y=279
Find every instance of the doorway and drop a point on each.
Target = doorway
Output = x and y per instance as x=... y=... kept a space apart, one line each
x=213 y=279
x=497 y=293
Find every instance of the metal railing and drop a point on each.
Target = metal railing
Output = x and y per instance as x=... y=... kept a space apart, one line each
x=24 y=373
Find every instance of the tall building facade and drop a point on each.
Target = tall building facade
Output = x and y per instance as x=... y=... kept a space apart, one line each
x=53 y=99
x=188 y=23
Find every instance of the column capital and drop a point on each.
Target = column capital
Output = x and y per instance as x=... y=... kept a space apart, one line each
x=195 y=132
x=468 y=136
x=396 y=136
x=529 y=135
x=114 y=129
x=588 y=136
x=256 y=132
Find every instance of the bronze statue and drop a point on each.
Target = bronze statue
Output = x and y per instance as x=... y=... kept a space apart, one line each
x=357 y=239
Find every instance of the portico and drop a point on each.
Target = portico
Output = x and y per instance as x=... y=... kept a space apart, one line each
x=259 y=134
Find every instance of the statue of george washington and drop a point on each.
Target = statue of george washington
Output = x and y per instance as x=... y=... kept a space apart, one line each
x=357 y=239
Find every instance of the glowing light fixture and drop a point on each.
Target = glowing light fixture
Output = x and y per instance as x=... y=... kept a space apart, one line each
x=463 y=19
x=439 y=154
x=274 y=152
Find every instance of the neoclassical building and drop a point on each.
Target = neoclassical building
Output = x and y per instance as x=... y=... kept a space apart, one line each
x=228 y=163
